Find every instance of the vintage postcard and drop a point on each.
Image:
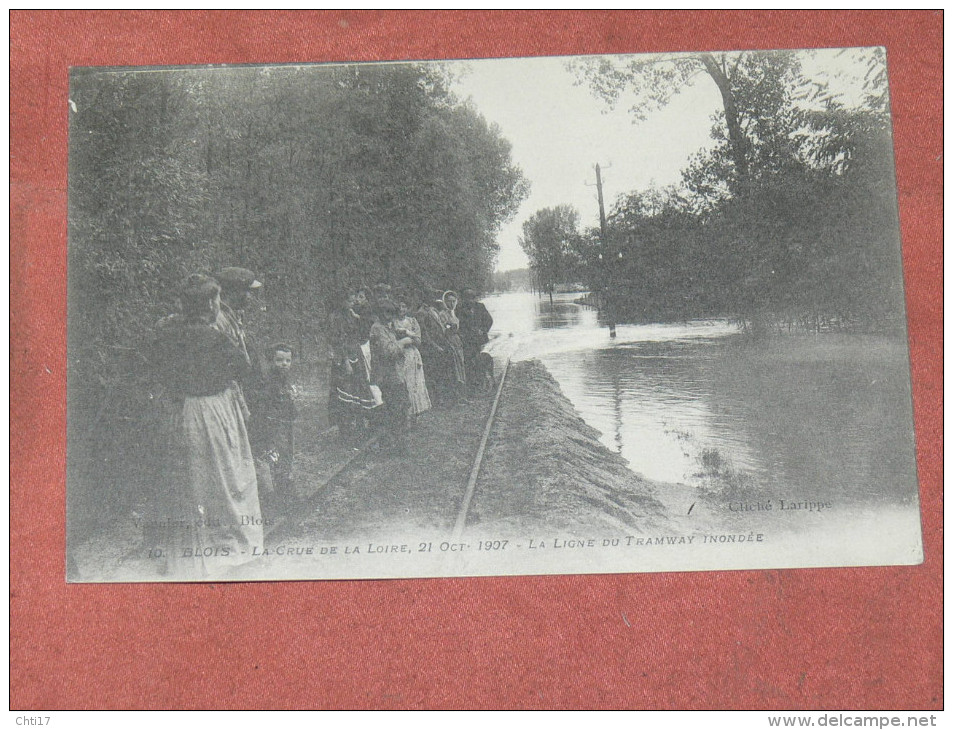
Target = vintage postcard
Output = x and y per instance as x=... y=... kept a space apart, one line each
x=491 y=317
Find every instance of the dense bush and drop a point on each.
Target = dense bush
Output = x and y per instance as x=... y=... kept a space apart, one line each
x=788 y=219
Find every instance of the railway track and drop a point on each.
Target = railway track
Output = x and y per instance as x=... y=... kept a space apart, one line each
x=461 y=521
x=286 y=524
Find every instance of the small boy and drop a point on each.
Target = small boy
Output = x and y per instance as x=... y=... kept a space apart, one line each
x=274 y=422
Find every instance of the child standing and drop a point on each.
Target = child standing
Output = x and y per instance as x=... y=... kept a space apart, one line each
x=274 y=423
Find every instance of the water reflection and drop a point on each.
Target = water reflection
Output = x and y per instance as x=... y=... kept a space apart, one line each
x=697 y=403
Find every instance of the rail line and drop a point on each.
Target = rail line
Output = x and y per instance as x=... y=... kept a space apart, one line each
x=478 y=460
x=287 y=523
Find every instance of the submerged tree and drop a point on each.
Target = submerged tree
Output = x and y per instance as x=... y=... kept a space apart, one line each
x=549 y=240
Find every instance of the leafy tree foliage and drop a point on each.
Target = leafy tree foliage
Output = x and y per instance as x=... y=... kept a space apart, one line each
x=313 y=177
x=754 y=89
x=793 y=222
x=549 y=240
x=513 y=280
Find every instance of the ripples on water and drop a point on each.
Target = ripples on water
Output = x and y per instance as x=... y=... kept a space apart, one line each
x=698 y=403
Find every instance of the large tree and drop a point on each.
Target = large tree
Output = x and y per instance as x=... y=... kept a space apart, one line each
x=754 y=87
x=793 y=220
x=549 y=240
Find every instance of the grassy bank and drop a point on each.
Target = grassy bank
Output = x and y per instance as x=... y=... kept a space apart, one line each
x=546 y=469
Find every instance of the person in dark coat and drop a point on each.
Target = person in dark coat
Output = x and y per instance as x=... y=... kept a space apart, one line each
x=435 y=350
x=274 y=434
x=237 y=286
x=475 y=324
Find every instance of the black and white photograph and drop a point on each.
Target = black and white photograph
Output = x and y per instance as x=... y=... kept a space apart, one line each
x=553 y=315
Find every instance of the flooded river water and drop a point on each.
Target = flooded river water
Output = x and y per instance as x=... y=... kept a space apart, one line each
x=698 y=403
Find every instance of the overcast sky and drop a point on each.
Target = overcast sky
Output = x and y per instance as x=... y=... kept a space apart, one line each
x=559 y=131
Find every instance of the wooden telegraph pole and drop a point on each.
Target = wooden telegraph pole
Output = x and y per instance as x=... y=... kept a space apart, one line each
x=602 y=207
x=606 y=263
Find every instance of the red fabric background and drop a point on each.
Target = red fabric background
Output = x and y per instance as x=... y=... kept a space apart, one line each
x=837 y=638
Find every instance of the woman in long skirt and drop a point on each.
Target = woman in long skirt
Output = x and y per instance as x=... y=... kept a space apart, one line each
x=414 y=376
x=435 y=350
x=387 y=372
x=448 y=316
x=350 y=401
x=207 y=512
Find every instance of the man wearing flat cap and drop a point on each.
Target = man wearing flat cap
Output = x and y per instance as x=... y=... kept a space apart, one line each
x=237 y=287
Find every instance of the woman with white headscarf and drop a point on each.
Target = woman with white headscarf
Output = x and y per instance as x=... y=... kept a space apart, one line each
x=448 y=317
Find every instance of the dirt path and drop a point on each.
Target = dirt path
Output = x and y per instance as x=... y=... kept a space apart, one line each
x=416 y=493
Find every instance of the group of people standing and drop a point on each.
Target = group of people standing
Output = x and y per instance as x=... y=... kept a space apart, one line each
x=226 y=415
x=394 y=357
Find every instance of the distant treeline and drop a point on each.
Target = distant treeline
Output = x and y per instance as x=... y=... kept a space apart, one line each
x=315 y=178
x=789 y=220
x=513 y=280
